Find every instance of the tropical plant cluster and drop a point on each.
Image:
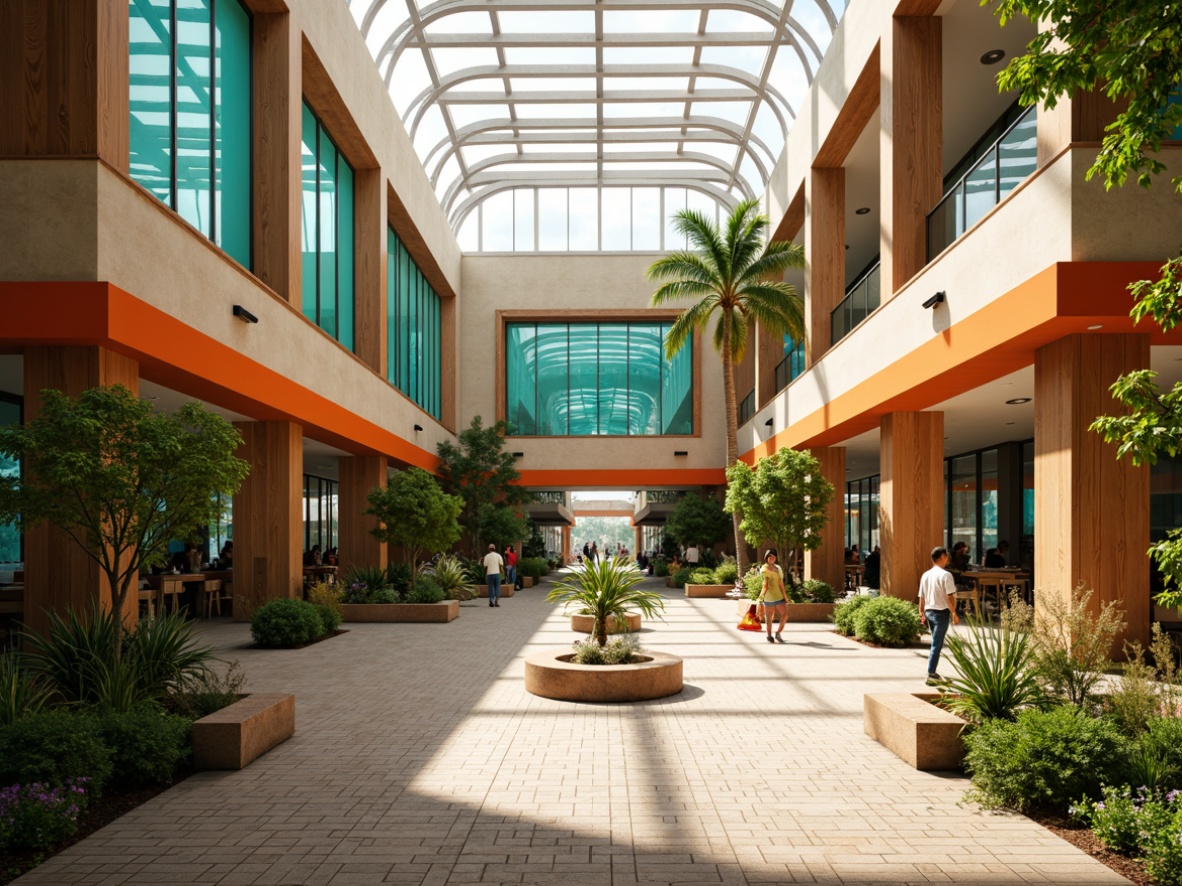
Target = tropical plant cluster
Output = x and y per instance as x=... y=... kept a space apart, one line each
x=1050 y=728
x=608 y=591
x=533 y=567
x=726 y=573
x=884 y=621
x=76 y=720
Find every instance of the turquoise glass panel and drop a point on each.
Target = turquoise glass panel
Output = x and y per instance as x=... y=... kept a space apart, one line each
x=583 y=354
x=194 y=114
x=613 y=379
x=552 y=371
x=327 y=216
x=1019 y=153
x=644 y=379
x=10 y=539
x=344 y=257
x=979 y=186
x=150 y=96
x=413 y=321
x=391 y=305
x=521 y=379
x=405 y=270
x=677 y=401
x=310 y=222
x=232 y=131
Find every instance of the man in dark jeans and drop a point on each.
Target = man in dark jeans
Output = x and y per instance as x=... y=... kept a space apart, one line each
x=937 y=606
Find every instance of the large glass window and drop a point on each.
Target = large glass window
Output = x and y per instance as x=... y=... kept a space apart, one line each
x=189 y=95
x=584 y=379
x=414 y=343
x=861 y=514
x=321 y=497
x=327 y=232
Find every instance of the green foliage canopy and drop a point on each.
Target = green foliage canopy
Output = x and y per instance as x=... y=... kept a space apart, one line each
x=483 y=475
x=414 y=512
x=784 y=500
x=119 y=478
x=698 y=520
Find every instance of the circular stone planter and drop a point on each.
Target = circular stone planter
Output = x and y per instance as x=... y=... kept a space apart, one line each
x=547 y=674
x=583 y=624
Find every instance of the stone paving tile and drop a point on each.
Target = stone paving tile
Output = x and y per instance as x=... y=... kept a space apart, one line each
x=419 y=759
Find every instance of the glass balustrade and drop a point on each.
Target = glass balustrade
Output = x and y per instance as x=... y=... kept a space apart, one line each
x=792 y=365
x=861 y=299
x=1002 y=167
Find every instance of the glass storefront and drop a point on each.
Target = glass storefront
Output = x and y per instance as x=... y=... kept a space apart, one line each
x=326 y=232
x=321 y=497
x=586 y=379
x=10 y=539
x=414 y=343
x=189 y=98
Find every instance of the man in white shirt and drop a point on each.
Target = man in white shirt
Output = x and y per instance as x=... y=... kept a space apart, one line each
x=937 y=606
x=691 y=555
x=492 y=575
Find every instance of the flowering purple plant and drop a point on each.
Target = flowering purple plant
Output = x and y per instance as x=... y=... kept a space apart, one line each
x=38 y=816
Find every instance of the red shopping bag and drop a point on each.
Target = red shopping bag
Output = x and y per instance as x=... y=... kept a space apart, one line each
x=750 y=622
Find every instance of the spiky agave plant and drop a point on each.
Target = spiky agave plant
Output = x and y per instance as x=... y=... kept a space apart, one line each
x=604 y=590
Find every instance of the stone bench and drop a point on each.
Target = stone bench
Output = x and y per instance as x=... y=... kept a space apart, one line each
x=401 y=613
x=923 y=735
x=234 y=736
x=708 y=591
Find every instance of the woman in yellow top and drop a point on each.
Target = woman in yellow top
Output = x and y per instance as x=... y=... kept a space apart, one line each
x=775 y=601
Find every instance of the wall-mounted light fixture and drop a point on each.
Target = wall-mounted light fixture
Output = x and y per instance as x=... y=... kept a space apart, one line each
x=993 y=56
x=418 y=427
x=244 y=315
x=769 y=422
x=862 y=210
x=519 y=455
x=680 y=452
x=934 y=300
x=1017 y=401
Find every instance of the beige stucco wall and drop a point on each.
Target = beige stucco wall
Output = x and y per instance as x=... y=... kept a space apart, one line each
x=48 y=222
x=554 y=284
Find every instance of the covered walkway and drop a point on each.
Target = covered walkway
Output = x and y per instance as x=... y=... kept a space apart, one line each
x=420 y=759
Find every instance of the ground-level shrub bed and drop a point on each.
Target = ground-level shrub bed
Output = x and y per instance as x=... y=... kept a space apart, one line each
x=883 y=621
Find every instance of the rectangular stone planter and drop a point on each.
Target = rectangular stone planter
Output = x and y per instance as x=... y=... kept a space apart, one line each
x=810 y=612
x=528 y=581
x=234 y=736
x=669 y=581
x=921 y=734
x=713 y=591
x=401 y=613
x=506 y=590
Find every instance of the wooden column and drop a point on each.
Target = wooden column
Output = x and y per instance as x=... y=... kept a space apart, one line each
x=369 y=277
x=63 y=79
x=567 y=553
x=1091 y=520
x=278 y=108
x=911 y=498
x=358 y=476
x=58 y=573
x=911 y=146
x=825 y=251
x=827 y=562
x=268 y=513
x=769 y=351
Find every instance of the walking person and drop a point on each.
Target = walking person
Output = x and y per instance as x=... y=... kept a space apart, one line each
x=492 y=575
x=775 y=601
x=511 y=567
x=937 y=607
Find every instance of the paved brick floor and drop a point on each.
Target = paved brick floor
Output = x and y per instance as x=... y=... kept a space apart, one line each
x=420 y=759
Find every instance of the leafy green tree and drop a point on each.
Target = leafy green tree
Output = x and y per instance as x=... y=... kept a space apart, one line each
x=119 y=478
x=698 y=520
x=734 y=274
x=784 y=500
x=482 y=474
x=1132 y=51
x=414 y=512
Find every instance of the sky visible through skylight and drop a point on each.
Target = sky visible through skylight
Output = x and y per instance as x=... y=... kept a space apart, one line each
x=542 y=96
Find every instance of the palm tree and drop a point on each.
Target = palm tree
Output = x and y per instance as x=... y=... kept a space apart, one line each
x=740 y=278
x=606 y=590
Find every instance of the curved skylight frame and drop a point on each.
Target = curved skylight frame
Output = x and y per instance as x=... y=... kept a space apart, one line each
x=582 y=135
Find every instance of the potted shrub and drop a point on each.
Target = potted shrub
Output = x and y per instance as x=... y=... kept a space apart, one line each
x=607 y=592
x=531 y=570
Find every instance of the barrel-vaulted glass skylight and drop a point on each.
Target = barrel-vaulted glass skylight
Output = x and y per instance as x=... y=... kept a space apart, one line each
x=649 y=104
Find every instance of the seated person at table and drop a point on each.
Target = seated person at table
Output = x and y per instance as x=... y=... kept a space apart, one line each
x=852 y=556
x=960 y=563
x=330 y=557
x=995 y=558
x=188 y=560
x=870 y=577
x=226 y=557
x=313 y=557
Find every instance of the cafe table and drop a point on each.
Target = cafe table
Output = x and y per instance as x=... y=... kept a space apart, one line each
x=997 y=581
x=168 y=584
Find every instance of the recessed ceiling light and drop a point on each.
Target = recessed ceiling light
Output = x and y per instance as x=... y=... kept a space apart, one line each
x=1018 y=401
x=993 y=56
x=862 y=211
x=1095 y=326
x=1009 y=422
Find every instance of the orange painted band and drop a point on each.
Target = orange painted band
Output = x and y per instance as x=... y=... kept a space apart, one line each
x=178 y=356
